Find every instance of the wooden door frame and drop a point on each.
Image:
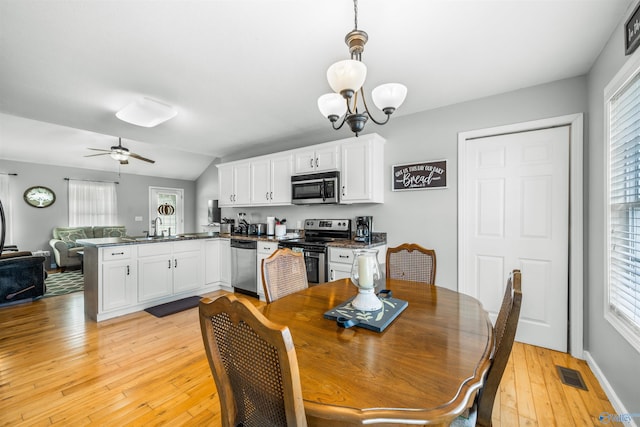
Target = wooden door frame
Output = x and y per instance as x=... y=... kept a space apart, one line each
x=576 y=201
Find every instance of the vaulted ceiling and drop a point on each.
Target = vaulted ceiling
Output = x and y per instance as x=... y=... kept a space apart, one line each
x=242 y=74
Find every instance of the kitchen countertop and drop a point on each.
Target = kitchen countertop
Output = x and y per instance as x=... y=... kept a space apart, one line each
x=378 y=240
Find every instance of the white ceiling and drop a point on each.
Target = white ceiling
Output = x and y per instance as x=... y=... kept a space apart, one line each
x=247 y=73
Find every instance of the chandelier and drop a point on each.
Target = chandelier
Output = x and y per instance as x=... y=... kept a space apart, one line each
x=346 y=78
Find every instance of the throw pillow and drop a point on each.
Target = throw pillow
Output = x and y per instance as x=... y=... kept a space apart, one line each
x=70 y=236
x=114 y=232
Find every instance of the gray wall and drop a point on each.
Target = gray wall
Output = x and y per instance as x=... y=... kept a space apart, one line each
x=32 y=227
x=429 y=217
x=618 y=360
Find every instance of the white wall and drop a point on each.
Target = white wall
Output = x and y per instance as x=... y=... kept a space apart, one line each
x=617 y=359
x=429 y=217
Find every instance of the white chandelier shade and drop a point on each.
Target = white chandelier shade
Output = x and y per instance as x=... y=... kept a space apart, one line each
x=390 y=95
x=347 y=75
x=332 y=104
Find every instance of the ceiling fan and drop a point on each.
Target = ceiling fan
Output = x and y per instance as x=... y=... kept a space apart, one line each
x=120 y=153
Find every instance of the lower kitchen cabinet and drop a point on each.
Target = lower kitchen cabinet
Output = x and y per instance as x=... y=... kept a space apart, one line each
x=120 y=275
x=225 y=262
x=155 y=277
x=341 y=261
x=265 y=250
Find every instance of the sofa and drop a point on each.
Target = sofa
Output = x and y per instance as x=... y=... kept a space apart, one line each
x=22 y=277
x=64 y=246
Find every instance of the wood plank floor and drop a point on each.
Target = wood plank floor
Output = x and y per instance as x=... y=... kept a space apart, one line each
x=56 y=368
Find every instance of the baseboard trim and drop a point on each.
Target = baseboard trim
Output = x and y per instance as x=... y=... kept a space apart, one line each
x=609 y=391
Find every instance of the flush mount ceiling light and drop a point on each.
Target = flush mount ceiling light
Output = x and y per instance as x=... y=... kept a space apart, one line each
x=146 y=112
x=347 y=77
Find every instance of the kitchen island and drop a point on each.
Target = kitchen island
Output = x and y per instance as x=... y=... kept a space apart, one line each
x=123 y=275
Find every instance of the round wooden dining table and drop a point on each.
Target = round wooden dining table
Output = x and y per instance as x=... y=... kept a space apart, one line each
x=425 y=367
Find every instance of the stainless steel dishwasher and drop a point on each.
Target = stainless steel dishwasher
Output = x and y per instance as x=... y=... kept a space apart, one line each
x=244 y=266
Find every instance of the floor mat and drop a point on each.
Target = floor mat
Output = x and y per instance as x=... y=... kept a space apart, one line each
x=174 y=306
x=64 y=283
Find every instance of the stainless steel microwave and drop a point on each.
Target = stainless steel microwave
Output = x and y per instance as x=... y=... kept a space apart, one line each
x=315 y=188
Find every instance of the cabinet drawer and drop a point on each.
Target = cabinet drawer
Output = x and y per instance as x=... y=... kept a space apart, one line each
x=153 y=249
x=340 y=255
x=187 y=246
x=115 y=253
x=267 y=247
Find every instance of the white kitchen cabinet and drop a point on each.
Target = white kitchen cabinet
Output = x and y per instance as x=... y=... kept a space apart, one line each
x=318 y=158
x=118 y=278
x=341 y=261
x=271 y=180
x=169 y=268
x=225 y=262
x=212 y=261
x=265 y=250
x=234 y=181
x=362 y=170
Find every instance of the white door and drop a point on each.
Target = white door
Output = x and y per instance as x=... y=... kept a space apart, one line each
x=168 y=205
x=516 y=216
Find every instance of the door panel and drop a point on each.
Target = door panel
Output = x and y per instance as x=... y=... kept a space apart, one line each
x=516 y=191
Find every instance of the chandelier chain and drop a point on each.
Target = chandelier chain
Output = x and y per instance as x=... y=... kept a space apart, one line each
x=355 y=13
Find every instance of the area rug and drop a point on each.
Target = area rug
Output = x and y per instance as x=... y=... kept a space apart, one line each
x=174 y=306
x=64 y=283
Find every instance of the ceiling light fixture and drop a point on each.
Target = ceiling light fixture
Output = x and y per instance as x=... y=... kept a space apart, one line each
x=347 y=77
x=119 y=153
x=146 y=112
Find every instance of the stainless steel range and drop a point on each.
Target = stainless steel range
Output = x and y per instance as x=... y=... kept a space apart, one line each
x=317 y=234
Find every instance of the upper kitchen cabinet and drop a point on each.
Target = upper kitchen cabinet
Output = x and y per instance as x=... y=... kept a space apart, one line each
x=271 y=180
x=235 y=184
x=324 y=157
x=362 y=169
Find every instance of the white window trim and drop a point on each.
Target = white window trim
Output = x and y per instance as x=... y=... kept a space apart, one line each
x=626 y=73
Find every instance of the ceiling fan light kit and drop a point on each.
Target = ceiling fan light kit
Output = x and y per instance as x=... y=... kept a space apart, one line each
x=146 y=112
x=346 y=78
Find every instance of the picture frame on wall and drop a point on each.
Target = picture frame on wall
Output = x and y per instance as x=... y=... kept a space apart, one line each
x=632 y=32
x=419 y=176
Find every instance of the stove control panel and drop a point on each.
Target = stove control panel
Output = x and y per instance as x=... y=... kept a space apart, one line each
x=327 y=224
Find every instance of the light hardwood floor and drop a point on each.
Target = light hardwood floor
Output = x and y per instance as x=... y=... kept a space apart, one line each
x=56 y=368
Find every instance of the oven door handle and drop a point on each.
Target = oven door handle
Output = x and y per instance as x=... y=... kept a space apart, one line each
x=322 y=187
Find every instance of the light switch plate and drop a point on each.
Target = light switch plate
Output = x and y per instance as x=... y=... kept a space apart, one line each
x=138 y=218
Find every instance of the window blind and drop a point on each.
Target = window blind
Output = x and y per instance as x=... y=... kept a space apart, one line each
x=624 y=204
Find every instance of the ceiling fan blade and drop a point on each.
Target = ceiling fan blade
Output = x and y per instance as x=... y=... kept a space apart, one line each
x=139 y=157
x=101 y=154
x=99 y=149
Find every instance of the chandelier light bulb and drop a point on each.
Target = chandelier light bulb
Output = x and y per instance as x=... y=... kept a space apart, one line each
x=347 y=77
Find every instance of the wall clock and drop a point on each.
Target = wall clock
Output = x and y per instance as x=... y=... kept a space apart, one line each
x=39 y=196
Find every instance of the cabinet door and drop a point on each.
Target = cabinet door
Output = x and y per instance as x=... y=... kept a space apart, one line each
x=260 y=182
x=225 y=262
x=242 y=184
x=356 y=172
x=327 y=158
x=305 y=161
x=212 y=261
x=281 y=180
x=265 y=250
x=186 y=271
x=155 y=274
x=339 y=271
x=225 y=183
x=118 y=285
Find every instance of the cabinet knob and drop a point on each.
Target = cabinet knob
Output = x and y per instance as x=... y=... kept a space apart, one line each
x=311 y=163
x=169 y=264
x=128 y=270
x=266 y=195
x=271 y=195
x=117 y=253
x=175 y=263
x=343 y=188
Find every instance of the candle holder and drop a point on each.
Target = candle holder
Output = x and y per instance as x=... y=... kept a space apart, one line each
x=365 y=273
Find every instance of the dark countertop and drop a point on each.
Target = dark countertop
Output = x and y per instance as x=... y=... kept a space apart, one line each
x=378 y=240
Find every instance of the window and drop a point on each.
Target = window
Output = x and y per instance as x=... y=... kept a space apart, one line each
x=167 y=205
x=92 y=203
x=622 y=300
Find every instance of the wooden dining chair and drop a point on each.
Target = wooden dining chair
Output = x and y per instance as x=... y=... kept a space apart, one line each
x=505 y=333
x=411 y=261
x=283 y=273
x=254 y=365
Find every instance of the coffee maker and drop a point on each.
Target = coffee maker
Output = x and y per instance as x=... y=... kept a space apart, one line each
x=364 y=229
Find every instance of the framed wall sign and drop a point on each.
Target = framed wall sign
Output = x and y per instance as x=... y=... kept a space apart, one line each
x=632 y=32
x=419 y=176
x=39 y=196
